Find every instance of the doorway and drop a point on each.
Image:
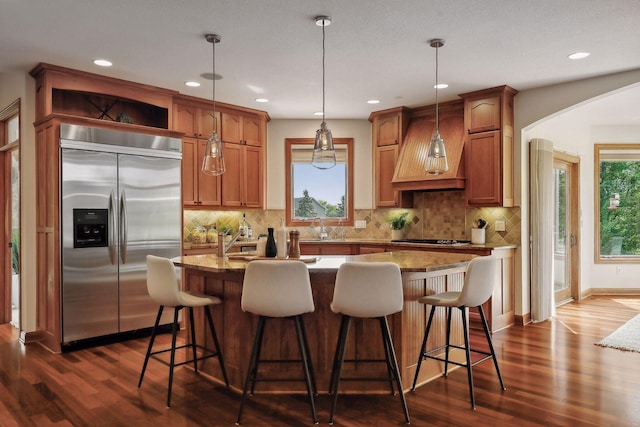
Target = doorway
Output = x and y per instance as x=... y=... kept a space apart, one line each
x=566 y=253
x=10 y=194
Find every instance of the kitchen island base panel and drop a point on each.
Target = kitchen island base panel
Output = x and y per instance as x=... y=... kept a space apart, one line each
x=236 y=329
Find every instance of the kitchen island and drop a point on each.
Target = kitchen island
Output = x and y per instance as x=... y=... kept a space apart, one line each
x=422 y=273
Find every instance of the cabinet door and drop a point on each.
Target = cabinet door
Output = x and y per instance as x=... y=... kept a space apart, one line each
x=253 y=173
x=232 y=178
x=189 y=175
x=231 y=128
x=206 y=120
x=252 y=131
x=388 y=130
x=483 y=153
x=208 y=186
x=483 y=114
x=385 y=160
x=185 y=119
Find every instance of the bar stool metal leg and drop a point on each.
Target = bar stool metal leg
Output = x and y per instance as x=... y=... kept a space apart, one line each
x=251 y=369
x=337 y=372
x=490 y=342
x=467 y=352
x=193 y=340
x=151 y=340
x=423 y=348
x=216 y=343
x=387 y=358
x=303 y=345
x=384 y=324
x=174 y=333
x=448 y=345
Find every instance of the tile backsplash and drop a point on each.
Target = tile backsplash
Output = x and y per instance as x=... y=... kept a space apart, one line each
x=436 y=215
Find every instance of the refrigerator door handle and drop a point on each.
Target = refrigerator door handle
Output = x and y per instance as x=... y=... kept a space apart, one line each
x=123 y=227
x=112 y=229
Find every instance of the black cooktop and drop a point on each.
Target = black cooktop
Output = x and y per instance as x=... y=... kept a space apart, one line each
x=434 y=241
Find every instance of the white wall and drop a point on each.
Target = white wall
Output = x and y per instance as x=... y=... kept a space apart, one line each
x=359 y=130
x=533 y=109
x=21 y=86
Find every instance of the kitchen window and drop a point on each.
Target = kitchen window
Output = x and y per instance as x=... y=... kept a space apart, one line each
x=318 y=193
x=617 y=203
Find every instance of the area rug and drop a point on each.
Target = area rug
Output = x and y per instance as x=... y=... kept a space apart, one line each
x=626 y=337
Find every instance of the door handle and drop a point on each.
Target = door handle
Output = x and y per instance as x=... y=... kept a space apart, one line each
x=123 y=227
x=573 y=240
x=112 y=232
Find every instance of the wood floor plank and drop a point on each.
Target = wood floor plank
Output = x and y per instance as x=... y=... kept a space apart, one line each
x=554 y=374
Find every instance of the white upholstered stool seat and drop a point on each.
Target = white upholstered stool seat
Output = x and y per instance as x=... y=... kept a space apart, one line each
x=367 y=290
x=163 y=286
x=479 y=282
x=278 y=289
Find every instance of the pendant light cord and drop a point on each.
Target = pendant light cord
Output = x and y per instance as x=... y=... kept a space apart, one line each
x=213 y=80
x=323 y=25
x=437 y=47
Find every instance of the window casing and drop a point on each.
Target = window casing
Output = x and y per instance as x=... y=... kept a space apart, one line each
x=329 y=192
x=617 y=203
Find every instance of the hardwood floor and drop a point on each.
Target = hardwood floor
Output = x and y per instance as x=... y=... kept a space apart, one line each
x=554 y=374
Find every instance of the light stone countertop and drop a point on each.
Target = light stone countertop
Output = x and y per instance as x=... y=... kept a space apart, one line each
x=408 y=261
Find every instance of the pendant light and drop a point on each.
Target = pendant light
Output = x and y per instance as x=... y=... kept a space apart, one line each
x=213 y=162
x=436 y=155
x=324 y=154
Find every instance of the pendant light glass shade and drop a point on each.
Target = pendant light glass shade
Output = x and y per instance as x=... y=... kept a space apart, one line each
x=324 y=154
x=213 y=161
x=436 y=154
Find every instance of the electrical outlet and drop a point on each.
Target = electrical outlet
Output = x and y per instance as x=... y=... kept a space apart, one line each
x=361 y=223
x=499 y=226
x=618 y=269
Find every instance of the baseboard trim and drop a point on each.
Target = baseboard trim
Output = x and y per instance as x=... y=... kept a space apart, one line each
x=522 y=320
x=614 y=291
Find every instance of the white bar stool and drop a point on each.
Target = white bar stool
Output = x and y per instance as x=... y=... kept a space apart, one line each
x=479 y=282
x=164 y=288
x=367 y=290
x=278 y=289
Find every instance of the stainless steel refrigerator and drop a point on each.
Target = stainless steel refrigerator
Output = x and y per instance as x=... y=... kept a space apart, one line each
x=120 y=201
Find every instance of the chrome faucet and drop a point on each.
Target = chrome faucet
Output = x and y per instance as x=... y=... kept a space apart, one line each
x=222 y=249
x=322 y=235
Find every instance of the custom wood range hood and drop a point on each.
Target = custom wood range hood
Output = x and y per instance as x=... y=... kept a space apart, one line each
x=409 y=172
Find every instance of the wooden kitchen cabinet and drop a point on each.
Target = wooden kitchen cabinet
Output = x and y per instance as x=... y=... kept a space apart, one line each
x=198 y=189
x=242 y=129
x=319 y=248
x=243 y=181
x=389 y=127
x=195 y=120
x=488 y=148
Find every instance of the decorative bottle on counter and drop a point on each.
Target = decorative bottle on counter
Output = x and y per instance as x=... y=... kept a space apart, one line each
x=271 y=250
x=281 y=240
x=294 y=244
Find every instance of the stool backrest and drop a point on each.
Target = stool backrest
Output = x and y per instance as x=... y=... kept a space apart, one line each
x=162 y=282
x=479 y=281
x=277 y=288
x=368 y=289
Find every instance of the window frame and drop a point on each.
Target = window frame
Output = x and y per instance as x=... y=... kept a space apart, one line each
x=598 y=257
x=349 y=209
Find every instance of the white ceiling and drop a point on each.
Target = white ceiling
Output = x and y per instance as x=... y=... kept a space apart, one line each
x=374 y=48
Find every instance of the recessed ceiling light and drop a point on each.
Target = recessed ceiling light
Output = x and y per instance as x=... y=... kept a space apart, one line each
x=373 y=101
x=441 y=86
x=318 y=113
x=102 y=62
x=192 y=84
x=262 y=100
x=579 y=55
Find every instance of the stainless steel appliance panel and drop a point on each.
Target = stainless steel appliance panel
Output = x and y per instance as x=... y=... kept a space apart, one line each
x=89 y=274
x=150 y=217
